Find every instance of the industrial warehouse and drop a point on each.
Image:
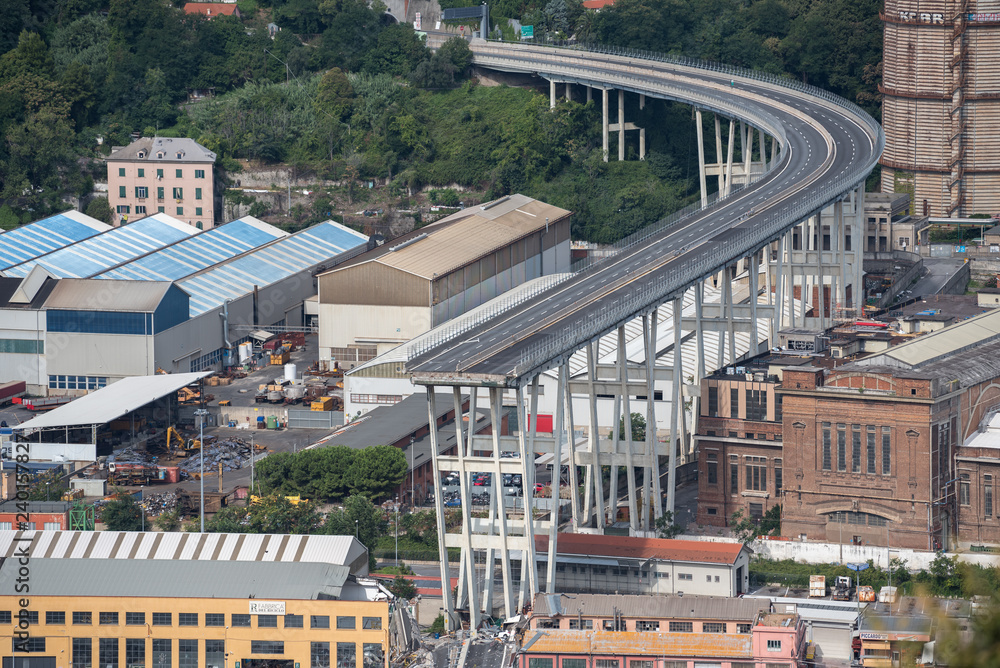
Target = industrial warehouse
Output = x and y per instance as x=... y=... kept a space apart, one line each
x=82 y=306
x=138 y=599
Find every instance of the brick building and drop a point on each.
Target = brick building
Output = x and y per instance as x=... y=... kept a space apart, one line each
x=896 y=448
x=870 y=448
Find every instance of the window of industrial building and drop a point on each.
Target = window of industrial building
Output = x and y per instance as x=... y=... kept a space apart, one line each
x=141 y=192
x=581 y=624
x=713 y=627
x=987 y=496
x=77 y=382
x=547 y=624
x=773 y=645
x=540 y=662
x=713 y=468
x=267 y=647
x=573 y=663
x=267 y=621
x=241 y=620
x=756 y=473
x=135 y=652
x=199 y=173
x=382 y=399
x=108 y=618
x=78 y=618
x=52 y=617
x=107 y=649
x=215 y=619
x=870 y=447
x=98 y=322
x=685 y=576
x=886 y=450
x=293 y=621
x=713 y=402
x=777 y=408
x=371 y=623
x=674 y=664
x=215 y=653
x=22 y=346
x=859 y=519
x=641 y=663
x=682 y=627
x=347 y=654
x=179 y=173
x=734 y=402
x=842 y=447
x=826 y=447
x=163 y=653
x=346 y=622
x=319 y=622
x=963 y=492
x=756 y=511
x=855 y=448
x=777 y=478
x=163 y=619
x=187 y=654
x=734 y=474
x=756 y=405
x=135 y=618
x=31 y=644
x=373 y=655
x=187 y=619
x=606 y=663
x=743 y=664
x=713 y=511
x=646 y=625
x=319 y=655
x=6 y=526
x=83 y=653
x=744 y=629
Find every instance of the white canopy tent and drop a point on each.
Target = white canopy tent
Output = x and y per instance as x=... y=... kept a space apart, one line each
x=111 y=402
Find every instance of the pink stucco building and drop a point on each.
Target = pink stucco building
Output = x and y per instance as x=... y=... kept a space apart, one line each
x=161 y=174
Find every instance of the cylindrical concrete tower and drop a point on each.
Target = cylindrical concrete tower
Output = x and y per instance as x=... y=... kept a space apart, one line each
x=941 y=105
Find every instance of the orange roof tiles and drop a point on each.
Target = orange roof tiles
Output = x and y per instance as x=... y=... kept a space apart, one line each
x=598 y=643
x=211 y=8
x=597 y=4
x=593 y=545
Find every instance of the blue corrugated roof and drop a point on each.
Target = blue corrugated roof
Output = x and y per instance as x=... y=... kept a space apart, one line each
x=280 y=260
x=199 y=252
x=103 y=251
x=46 y=235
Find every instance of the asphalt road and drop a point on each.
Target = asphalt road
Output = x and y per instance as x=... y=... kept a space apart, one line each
x=825 y=143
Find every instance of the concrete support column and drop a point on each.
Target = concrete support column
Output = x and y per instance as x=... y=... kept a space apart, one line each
x=529 y=575
x=701 y=158
x=604 y=128
x=718 y=154
x=729 y=159
x=633 y=516
x=552 y=94
x=590 y=94
x=753 y=283
x=496 y=396
x=595 y=440
x=450 y=621
x=746 y=149
x=642 y=131
x=569 y=92
x=653 y=469
x=699 y=356
x=820 y=278
x=465 y=449
x=621 y=125
x=556 y=486
x=680 y=434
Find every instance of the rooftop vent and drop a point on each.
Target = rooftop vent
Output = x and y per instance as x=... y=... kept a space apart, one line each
x=490 y=205
x=393 y=249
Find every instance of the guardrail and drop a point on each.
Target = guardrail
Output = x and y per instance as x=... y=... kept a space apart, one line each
x=768 y=225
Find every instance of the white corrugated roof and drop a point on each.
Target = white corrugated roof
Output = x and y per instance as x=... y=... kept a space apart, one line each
x=113 y=401
x=930 y=347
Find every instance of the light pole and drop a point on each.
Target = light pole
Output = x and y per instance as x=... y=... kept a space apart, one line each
x=252 y=456
x=200 y=414
x=413 y=488
x=397 y=532
x=46 y=491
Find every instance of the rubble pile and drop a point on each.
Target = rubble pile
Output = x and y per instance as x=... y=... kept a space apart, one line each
x=230 y=452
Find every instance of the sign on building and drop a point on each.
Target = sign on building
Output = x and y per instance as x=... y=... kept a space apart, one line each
x=416 y=22
x=527 y=32
x=267 y=607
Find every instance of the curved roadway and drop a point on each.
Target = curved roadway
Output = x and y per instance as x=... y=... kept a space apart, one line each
x=827 y=149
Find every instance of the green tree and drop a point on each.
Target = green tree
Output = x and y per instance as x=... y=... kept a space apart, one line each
x=666 y=527
x=377 y=470
x=638 y=428
x=397 y=51
x=123 y=513
x=276 y=514
x=8 y=219
x=403 y=588
x=361 y=518
x=100 y=209
x=170 y=521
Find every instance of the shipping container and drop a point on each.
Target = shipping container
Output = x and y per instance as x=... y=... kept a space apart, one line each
x=817 y=586
x=10 y=390
x=322 y=404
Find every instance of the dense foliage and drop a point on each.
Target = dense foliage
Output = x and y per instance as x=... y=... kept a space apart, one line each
x=343 y=92
x=331 y=474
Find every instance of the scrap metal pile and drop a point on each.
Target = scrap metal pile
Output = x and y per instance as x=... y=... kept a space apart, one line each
x=230 y=452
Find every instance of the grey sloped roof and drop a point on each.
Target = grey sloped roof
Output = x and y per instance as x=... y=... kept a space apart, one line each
x=190 y=150
x=180 y=579
x=665 y=606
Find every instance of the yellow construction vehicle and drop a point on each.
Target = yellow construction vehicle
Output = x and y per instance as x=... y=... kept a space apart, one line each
x=172 y=435
x=192 y=444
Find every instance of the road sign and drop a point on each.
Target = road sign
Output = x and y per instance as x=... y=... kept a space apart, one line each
x=527 y=32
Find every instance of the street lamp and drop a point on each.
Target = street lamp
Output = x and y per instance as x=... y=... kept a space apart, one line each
x=397 y=532
x=201 y=413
